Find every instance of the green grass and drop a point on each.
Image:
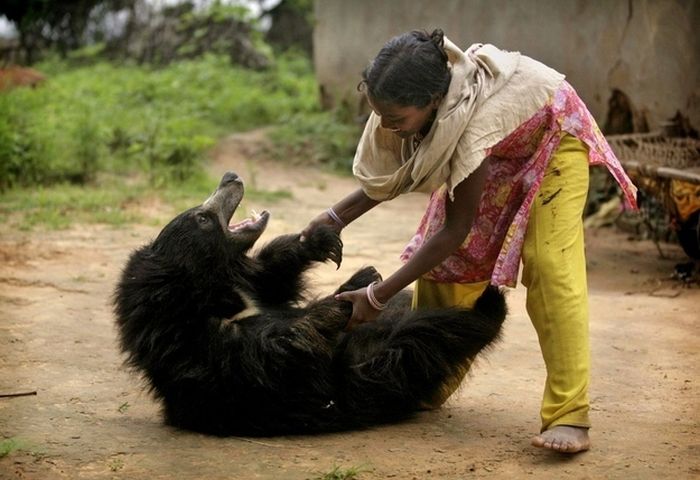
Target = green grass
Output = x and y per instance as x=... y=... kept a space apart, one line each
x=10 y=445
x=98 y=118
x=111 y=202
x=95 y=140
x=60 y=206
x=318 y=138
x=339 y=473
x=115 y=464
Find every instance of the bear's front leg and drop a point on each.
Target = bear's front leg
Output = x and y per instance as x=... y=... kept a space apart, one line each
x=282 y=262
x=324 y=244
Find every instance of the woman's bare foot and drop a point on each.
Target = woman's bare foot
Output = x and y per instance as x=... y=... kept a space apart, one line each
x=563 y=438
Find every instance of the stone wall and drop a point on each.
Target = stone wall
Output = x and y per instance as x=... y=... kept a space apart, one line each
x=648 y=49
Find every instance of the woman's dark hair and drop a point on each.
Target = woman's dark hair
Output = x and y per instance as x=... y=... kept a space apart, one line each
x=410 y=70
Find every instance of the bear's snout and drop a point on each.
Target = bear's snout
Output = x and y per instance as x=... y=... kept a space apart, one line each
x=229 y=177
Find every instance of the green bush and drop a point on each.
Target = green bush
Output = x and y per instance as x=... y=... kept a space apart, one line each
x=320 y=138
x=120 y=119
x=97 y=138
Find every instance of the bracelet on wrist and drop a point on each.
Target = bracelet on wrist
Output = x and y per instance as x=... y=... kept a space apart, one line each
x=376 y=304
x=331 y=213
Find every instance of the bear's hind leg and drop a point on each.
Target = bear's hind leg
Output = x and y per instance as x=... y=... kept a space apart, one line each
x=360 y=279
x=402 y=362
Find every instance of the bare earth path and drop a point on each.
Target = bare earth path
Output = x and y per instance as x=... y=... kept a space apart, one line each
x=90 y=419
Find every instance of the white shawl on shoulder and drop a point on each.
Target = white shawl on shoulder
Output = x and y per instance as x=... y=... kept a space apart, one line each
x=491 y=93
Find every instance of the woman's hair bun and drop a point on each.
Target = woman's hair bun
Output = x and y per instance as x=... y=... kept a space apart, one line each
x=438 y=38
x=410 y=69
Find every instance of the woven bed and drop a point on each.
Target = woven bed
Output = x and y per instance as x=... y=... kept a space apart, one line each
x=667 y=168
x=656 y=155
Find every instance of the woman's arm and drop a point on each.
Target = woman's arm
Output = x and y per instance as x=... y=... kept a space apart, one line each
x=348 y=209
x=459 y=217
x=354 y=206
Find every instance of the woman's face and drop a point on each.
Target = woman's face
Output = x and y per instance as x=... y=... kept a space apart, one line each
x=404 y=121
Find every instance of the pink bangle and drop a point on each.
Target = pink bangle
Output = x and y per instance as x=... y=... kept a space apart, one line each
x=376 y=304
x=331 y=213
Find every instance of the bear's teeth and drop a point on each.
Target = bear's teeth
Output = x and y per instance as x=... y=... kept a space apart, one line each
x=255 y=216
x=243 y=223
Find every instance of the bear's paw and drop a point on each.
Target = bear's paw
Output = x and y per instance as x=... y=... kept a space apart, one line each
x=324 y=244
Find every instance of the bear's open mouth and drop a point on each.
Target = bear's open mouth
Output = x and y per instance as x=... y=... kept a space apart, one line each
x=255 y=222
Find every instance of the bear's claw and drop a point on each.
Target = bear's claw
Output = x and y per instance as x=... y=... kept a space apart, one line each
x=324 y=244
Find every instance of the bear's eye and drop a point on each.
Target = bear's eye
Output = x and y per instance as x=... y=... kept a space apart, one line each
x=202 y=219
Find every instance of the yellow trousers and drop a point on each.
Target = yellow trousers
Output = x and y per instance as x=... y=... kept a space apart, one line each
x=554 y=273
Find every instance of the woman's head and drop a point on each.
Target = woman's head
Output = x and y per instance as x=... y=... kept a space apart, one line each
x=410 y=70
x=409 y=73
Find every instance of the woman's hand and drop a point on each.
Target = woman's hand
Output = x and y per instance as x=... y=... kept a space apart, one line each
x=345 y=211
x=323 y=219
x=362 y=311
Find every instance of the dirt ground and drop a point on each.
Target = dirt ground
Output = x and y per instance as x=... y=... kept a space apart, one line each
x=91 y=419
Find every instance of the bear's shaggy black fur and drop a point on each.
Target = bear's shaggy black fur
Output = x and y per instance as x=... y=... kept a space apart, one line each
x=227 y=343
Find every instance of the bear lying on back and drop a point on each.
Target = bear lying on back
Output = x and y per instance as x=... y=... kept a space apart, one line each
x=228 y=344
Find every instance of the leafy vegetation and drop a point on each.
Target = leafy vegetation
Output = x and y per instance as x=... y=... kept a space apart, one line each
x=103 y=118
x=319 y=138
x=58 y=23
x=338 y=473
x=10 y=445
x=95 y=138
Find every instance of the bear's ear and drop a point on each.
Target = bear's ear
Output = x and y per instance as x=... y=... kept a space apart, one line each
x=181 y=238
x=171 y=234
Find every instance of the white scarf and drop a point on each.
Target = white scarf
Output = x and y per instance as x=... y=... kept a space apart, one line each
x=491 y=93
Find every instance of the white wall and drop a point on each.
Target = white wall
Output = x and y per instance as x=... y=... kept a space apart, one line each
x=649 y=49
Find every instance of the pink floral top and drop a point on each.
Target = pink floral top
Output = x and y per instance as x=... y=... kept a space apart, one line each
x=516 y=168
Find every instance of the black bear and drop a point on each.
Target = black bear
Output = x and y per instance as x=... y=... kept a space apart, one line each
x=228 y=344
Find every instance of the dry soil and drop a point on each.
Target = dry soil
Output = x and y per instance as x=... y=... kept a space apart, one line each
x=92 y=419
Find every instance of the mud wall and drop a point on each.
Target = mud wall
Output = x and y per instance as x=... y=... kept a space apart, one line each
x=648 y=49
